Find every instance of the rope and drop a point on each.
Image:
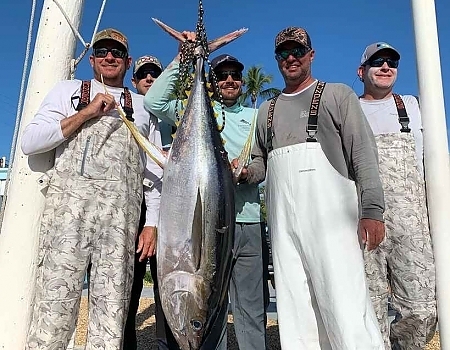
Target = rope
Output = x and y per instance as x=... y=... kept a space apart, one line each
x=75 y=62
x=19 y=107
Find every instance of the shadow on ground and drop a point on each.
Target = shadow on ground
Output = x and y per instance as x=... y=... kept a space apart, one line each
x=146 y=332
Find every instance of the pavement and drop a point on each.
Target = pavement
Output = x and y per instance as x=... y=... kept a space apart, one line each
x=147 y=292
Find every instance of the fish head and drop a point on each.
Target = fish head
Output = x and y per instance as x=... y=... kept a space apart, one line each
x=185 y=302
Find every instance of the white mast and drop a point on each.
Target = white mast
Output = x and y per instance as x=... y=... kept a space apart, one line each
x=436 y=153
x=53 y=52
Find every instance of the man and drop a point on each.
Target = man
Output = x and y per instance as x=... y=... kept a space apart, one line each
x=93 y=199
x=146 y=70
x=404 y=261
x=248 y=286
x=316 y=146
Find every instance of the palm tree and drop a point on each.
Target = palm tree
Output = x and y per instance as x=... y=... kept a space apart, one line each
x=255 y=82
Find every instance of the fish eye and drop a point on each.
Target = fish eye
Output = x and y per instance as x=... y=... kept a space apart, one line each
x=196 y=325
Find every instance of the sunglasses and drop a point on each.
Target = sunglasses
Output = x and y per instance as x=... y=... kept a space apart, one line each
x=298 y=52
x=102 y=52
x=142 y=73
x=223 y=75
x=378 y=62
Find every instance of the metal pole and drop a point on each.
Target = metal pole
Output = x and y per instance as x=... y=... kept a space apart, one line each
x=53 y=52
x=437 y=170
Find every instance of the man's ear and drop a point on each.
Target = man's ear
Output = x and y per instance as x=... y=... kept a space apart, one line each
x=129 y=62
x=133 y=81
x=360 y=73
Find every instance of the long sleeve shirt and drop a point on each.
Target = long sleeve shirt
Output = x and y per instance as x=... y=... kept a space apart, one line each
x=343 y=133
x=44 y=132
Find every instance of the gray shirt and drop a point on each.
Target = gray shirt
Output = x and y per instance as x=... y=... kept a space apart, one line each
x=343 y=133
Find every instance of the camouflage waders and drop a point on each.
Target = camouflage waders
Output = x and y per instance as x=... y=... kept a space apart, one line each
x=404 y=260
x=91 y=215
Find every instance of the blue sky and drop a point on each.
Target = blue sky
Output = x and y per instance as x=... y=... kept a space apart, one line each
x=340 y=30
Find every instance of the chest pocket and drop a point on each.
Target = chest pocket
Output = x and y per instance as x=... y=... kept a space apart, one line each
x=105 y=150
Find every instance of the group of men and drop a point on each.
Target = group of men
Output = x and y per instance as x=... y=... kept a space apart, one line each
x=345 y=197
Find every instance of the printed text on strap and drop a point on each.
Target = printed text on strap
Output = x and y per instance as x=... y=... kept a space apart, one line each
x=311 y=127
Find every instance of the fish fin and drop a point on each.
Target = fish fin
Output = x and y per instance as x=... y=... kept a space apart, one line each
x=177 y=123
x=172 y=32
x=215 y=44
x=216 y=115
x=187 y=92
x=197 y=233
x=173 y=135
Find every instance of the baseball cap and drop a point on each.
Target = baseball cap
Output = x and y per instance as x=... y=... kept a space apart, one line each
x=374 y=48
x=111 y=34
x=143 y=60
x=297 y=34
x=225 y=58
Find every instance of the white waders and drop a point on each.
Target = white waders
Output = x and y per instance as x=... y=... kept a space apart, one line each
x=322 y=297
x=91 y=215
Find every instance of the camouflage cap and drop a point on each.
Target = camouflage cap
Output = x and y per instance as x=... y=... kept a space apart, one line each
x=297 y=34
x=374 y=48
x=143 y=60
x=111 y=34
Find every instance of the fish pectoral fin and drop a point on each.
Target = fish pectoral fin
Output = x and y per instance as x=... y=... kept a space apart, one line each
x=215 y=44
x=197 y=233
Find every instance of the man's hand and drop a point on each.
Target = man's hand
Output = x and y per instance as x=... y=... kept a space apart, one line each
x=244 y=172
x=147 y=242
x=372 y=232
x=188 y=36
x=99 y=106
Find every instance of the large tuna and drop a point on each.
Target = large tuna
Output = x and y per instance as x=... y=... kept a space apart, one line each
x=196 y=227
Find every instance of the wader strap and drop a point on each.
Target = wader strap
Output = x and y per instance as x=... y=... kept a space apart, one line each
x=85 y=97
x=403 y=118
x=128 y=104
x=311 y=127
x=269 y=124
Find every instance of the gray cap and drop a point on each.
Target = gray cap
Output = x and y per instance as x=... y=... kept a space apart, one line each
x=374 y=48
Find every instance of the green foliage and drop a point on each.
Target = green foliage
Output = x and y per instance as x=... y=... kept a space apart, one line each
x=148 y=278
x=255 y=82
x=263 y=202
